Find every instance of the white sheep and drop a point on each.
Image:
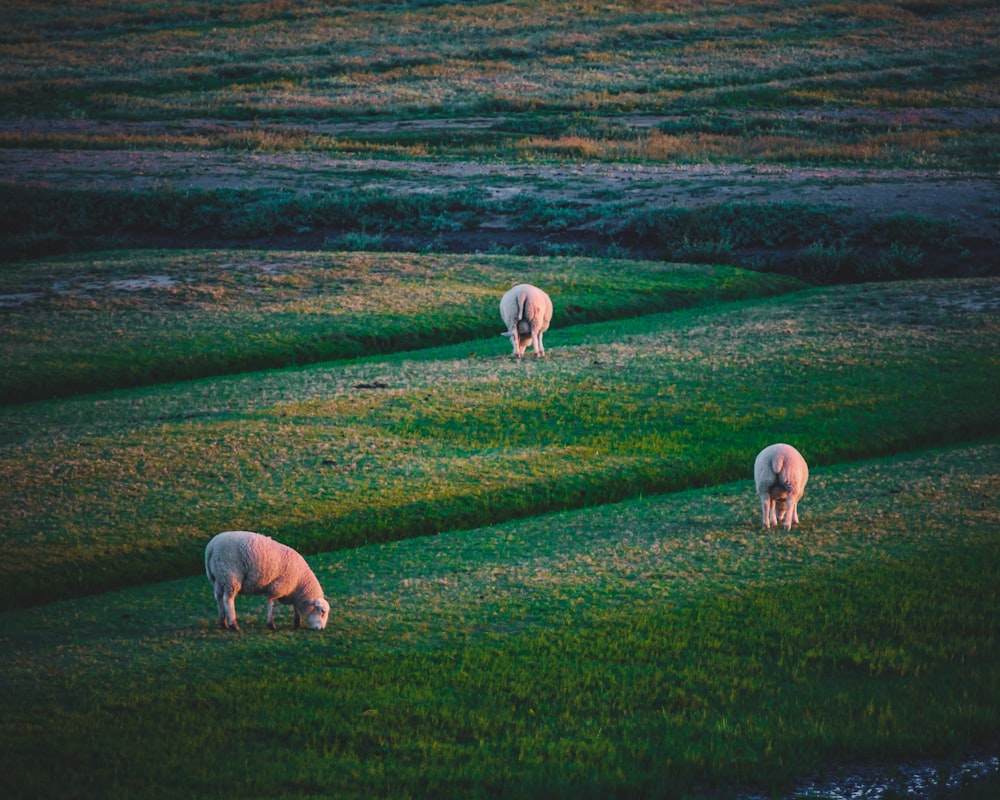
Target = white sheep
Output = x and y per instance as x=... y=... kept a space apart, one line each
x=242 y=561
x=780 y=474
x=526 y=311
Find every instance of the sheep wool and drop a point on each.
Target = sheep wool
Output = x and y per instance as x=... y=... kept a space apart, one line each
x=780 y=475
x=243 y=561
x=526 y=311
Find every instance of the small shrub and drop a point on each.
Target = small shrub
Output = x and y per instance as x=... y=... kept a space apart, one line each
x=356 y=241
x=719 y=251
x=897 y=261
x=824 y=264
x=617 y=251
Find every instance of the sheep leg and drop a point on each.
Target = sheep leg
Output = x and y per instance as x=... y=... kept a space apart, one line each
x=270 y=613
x=226 y=597
x=220 y=605
x=791 y=512
x=515 y=337
x=298 y=619
x=768 y=507
x=536 y=341
x=791 y=503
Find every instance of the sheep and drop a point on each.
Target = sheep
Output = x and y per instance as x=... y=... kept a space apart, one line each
x=780 y=474
x=250 y=562
x=526 y=311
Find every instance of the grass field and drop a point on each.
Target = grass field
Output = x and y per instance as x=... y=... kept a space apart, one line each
x=445 y=127
x=568 y=78
x=123 y=487
x=662 y=647
x=250 y=260
x=146 y=317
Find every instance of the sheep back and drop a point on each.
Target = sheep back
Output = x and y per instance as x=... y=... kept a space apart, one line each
x=526 y=310
x=248 y=562
x=780 y=477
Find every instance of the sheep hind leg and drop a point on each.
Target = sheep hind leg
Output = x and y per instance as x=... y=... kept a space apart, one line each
x=270 y=614
x=791 y=513
x=536 y=342
x=767 y=505
x=227 y=608
x=220 y=605
x=515 y=338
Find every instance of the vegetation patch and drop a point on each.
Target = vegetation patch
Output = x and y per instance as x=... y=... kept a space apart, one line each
x=133 y=318
x=425 y=88
x=754 y=234
x=666 y=645
x=622 y=626
x=126 y=487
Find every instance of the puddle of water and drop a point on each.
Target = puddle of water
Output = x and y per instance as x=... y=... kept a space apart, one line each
x=920 y=781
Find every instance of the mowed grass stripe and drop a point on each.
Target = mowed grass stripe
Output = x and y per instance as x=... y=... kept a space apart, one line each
x=123 y=488
x=664 y=646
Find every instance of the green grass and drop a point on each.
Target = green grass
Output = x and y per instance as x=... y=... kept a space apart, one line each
x=134 y=318
x=886 y=85
x=260 y=62
x=577 y=646
x=126 y=487
x=662 y=647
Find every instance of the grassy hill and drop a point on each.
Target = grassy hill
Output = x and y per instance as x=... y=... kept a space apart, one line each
x=113 y=489
x=250 y=261
x=667 y=646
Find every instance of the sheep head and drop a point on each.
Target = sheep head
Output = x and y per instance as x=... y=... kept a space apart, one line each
x=316 y=613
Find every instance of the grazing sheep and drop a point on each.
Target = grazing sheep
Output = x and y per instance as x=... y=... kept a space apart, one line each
x=526 y=311
x=238 y=561
x=780 y=473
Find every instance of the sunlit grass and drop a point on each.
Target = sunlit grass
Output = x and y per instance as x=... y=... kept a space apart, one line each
x=139 y=317
x=532 y=61
x=122 y=487
x=666 y=645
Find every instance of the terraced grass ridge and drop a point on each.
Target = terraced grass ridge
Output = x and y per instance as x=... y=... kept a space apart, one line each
x=110 y=490
x=137 y=317
x=666 y=646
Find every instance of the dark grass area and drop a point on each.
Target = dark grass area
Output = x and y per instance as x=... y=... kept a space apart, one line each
x=447 y=673
x=821 y=244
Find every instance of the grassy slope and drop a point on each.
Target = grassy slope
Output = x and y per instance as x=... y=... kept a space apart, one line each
x=113 y=489
x=142 y=317
x=665 y=646
x=527 y=666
